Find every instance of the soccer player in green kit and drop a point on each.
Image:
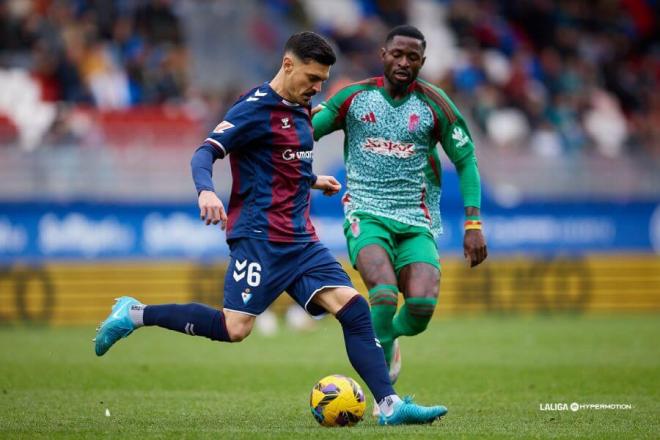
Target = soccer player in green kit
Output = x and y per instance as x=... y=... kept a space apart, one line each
x=392 y=201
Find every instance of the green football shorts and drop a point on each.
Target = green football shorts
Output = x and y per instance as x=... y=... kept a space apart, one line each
x=405 y=244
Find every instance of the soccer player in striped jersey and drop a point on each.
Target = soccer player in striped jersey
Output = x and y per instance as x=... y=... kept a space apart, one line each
x=392 y=125
x=267 y=135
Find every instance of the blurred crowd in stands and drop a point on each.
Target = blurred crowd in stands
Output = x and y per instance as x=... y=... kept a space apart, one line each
x=111 y=54
x=555 y=76
x=558 y=77
x=564 y=74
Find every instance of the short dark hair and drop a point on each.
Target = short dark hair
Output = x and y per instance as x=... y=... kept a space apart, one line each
x=310 y=46
x=406 y=30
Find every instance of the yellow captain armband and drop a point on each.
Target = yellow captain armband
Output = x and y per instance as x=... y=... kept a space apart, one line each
x=472 y=224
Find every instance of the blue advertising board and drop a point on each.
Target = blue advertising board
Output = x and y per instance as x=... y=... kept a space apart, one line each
x=38 y=231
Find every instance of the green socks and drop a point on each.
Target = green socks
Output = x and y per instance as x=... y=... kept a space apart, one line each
x=383 y=299
x=414 y=317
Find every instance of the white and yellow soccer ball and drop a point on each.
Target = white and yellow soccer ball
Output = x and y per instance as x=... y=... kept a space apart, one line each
x=337 y=400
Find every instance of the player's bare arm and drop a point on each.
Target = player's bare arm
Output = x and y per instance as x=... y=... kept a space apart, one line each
x=211 y=209
x=328 y=184
x=474 y=242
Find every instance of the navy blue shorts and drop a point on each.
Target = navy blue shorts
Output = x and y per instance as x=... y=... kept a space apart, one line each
x=259 y=271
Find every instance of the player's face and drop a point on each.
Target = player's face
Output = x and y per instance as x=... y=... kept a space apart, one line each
x=304 y=79
x=402 y=59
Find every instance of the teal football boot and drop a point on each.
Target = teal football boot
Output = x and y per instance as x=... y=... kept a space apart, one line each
x=406 y=412
x=116 y=326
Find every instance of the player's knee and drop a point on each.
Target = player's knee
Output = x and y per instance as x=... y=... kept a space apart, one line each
x=354 y=311
x=239 y=326
x=238 y=332
x=423 y=291
x=345 y=296
x=420 y=280
x=334 y=299
x=423 y=288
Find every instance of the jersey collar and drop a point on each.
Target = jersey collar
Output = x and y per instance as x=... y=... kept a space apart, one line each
x=380 y=82
x=279 y=98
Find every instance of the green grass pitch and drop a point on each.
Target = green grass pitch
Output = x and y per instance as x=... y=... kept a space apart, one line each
x=493 y=373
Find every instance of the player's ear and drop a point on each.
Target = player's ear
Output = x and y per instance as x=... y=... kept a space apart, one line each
x=423 y=60
x=287 y=63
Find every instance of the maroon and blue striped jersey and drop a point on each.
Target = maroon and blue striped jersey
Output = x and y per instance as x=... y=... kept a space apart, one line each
x=269 y=142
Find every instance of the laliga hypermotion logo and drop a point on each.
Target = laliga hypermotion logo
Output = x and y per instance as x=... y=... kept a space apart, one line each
x=289 y=154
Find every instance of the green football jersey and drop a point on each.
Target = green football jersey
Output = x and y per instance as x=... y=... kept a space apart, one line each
x=392 y=163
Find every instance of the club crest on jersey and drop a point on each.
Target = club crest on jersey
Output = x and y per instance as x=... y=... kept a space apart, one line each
x=286 y=123
x=460 y=137
x=387 y=147
x=247 y=296
x=222 y=127
x=413 y=122
x=355 y=227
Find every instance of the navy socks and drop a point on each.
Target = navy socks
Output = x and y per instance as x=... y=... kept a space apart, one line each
x=364 y=352
x=193 y=319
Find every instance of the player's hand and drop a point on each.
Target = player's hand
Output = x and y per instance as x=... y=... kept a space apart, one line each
x=474 y=247
x=211 y=209
x=328 y=184
x=317 y=109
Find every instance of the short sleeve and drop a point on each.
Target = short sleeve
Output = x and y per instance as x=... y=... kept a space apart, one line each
x=239 y=128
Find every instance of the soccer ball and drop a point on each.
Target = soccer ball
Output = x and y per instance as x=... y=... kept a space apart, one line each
x=337 y=401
